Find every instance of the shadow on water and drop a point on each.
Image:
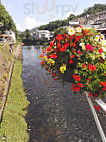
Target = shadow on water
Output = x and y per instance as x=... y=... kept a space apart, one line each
x=54 y=113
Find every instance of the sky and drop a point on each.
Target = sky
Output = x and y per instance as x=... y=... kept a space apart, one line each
x=28 y=14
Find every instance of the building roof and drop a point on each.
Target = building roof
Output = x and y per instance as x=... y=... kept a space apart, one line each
x=101 y=29
x=97 y=14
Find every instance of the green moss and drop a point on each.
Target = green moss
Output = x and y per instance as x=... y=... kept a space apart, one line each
x=13 y=127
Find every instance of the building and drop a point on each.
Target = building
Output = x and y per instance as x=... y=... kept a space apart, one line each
x=97 y=20
x=42 y=35
x=8 y=36
x=11 y=35
x=1 y=24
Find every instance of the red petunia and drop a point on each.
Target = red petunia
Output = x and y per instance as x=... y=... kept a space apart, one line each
x=59 y=37
x=48 y=49
x=90 y=94
x=80 y=84
x=72 y=56
x=75 y=88
x=53 y=56
x=84 y=66
x=103 y=84
x=89 y=47
x=97 y=107
x=76 y=77
x=51 y=43
x=71 y=61
x=41 y=55
x=59 y=45
x=54 y=74
x=92 y=67
x=100 y=50
x=42 y=63
x=55 y=79
x=79 y=52
x=89 y=79
x=49 y=70
x=44 y=51
x=48 y=56
x=77 y=38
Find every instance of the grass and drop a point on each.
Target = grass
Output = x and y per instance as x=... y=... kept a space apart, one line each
x=13 y=127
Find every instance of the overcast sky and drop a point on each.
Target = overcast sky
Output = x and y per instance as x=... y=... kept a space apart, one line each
x=28 y=14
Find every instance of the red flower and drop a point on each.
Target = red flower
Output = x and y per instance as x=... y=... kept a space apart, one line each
x=104 y=89
x=71 y=61
x=44 y=51
x=41 y=55
x=103 y=84
x=89 y=79
x=89 y=47
x=75 y=88
x=65 y=35
x=100 y=50
x=47 y=56
x=45 y=67
x=105 y=74
x=59 y=45
x=51 y=43
x=92 y=67
x=79 y=52
x=77 y=78
x=53 y=56
x=73 y=51
x=55 y=79
x=90 y=94
x=42 y=63
x=84 y=66
x=59 y=37
x=74 y=44
x=77 y=38
x=54 y=74
x=97 y=107
x=72 y=56
x=80 y=84
x=48 y=49
x=49 y=70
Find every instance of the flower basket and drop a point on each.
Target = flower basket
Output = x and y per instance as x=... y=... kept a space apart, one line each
x=67 y=76
x=78 y=57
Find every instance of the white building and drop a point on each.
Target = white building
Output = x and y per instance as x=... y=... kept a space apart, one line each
x=42 y=35
x=1 y=24
x=11 y=35
x=97 y=20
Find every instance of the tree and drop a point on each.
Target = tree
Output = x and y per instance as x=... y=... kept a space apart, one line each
x=6 y=19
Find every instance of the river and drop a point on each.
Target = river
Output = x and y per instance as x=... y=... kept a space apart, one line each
x=55 y=114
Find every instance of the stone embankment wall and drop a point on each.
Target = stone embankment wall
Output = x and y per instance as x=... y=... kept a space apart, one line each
x=7 y=56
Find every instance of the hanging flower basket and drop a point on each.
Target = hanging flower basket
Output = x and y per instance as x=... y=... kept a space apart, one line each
x=67 y=76
x=78 y=57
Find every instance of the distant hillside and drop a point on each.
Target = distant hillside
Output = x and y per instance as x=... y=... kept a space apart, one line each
x=95 y=9
x=58 y=23
x=33 y=30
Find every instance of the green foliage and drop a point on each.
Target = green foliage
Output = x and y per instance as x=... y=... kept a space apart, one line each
x=13 y=127
x=26 y=37
x=6 y=19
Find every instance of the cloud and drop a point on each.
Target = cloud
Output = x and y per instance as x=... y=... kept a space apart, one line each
x=70 y=12
x=29 y=23
x=19 y=27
